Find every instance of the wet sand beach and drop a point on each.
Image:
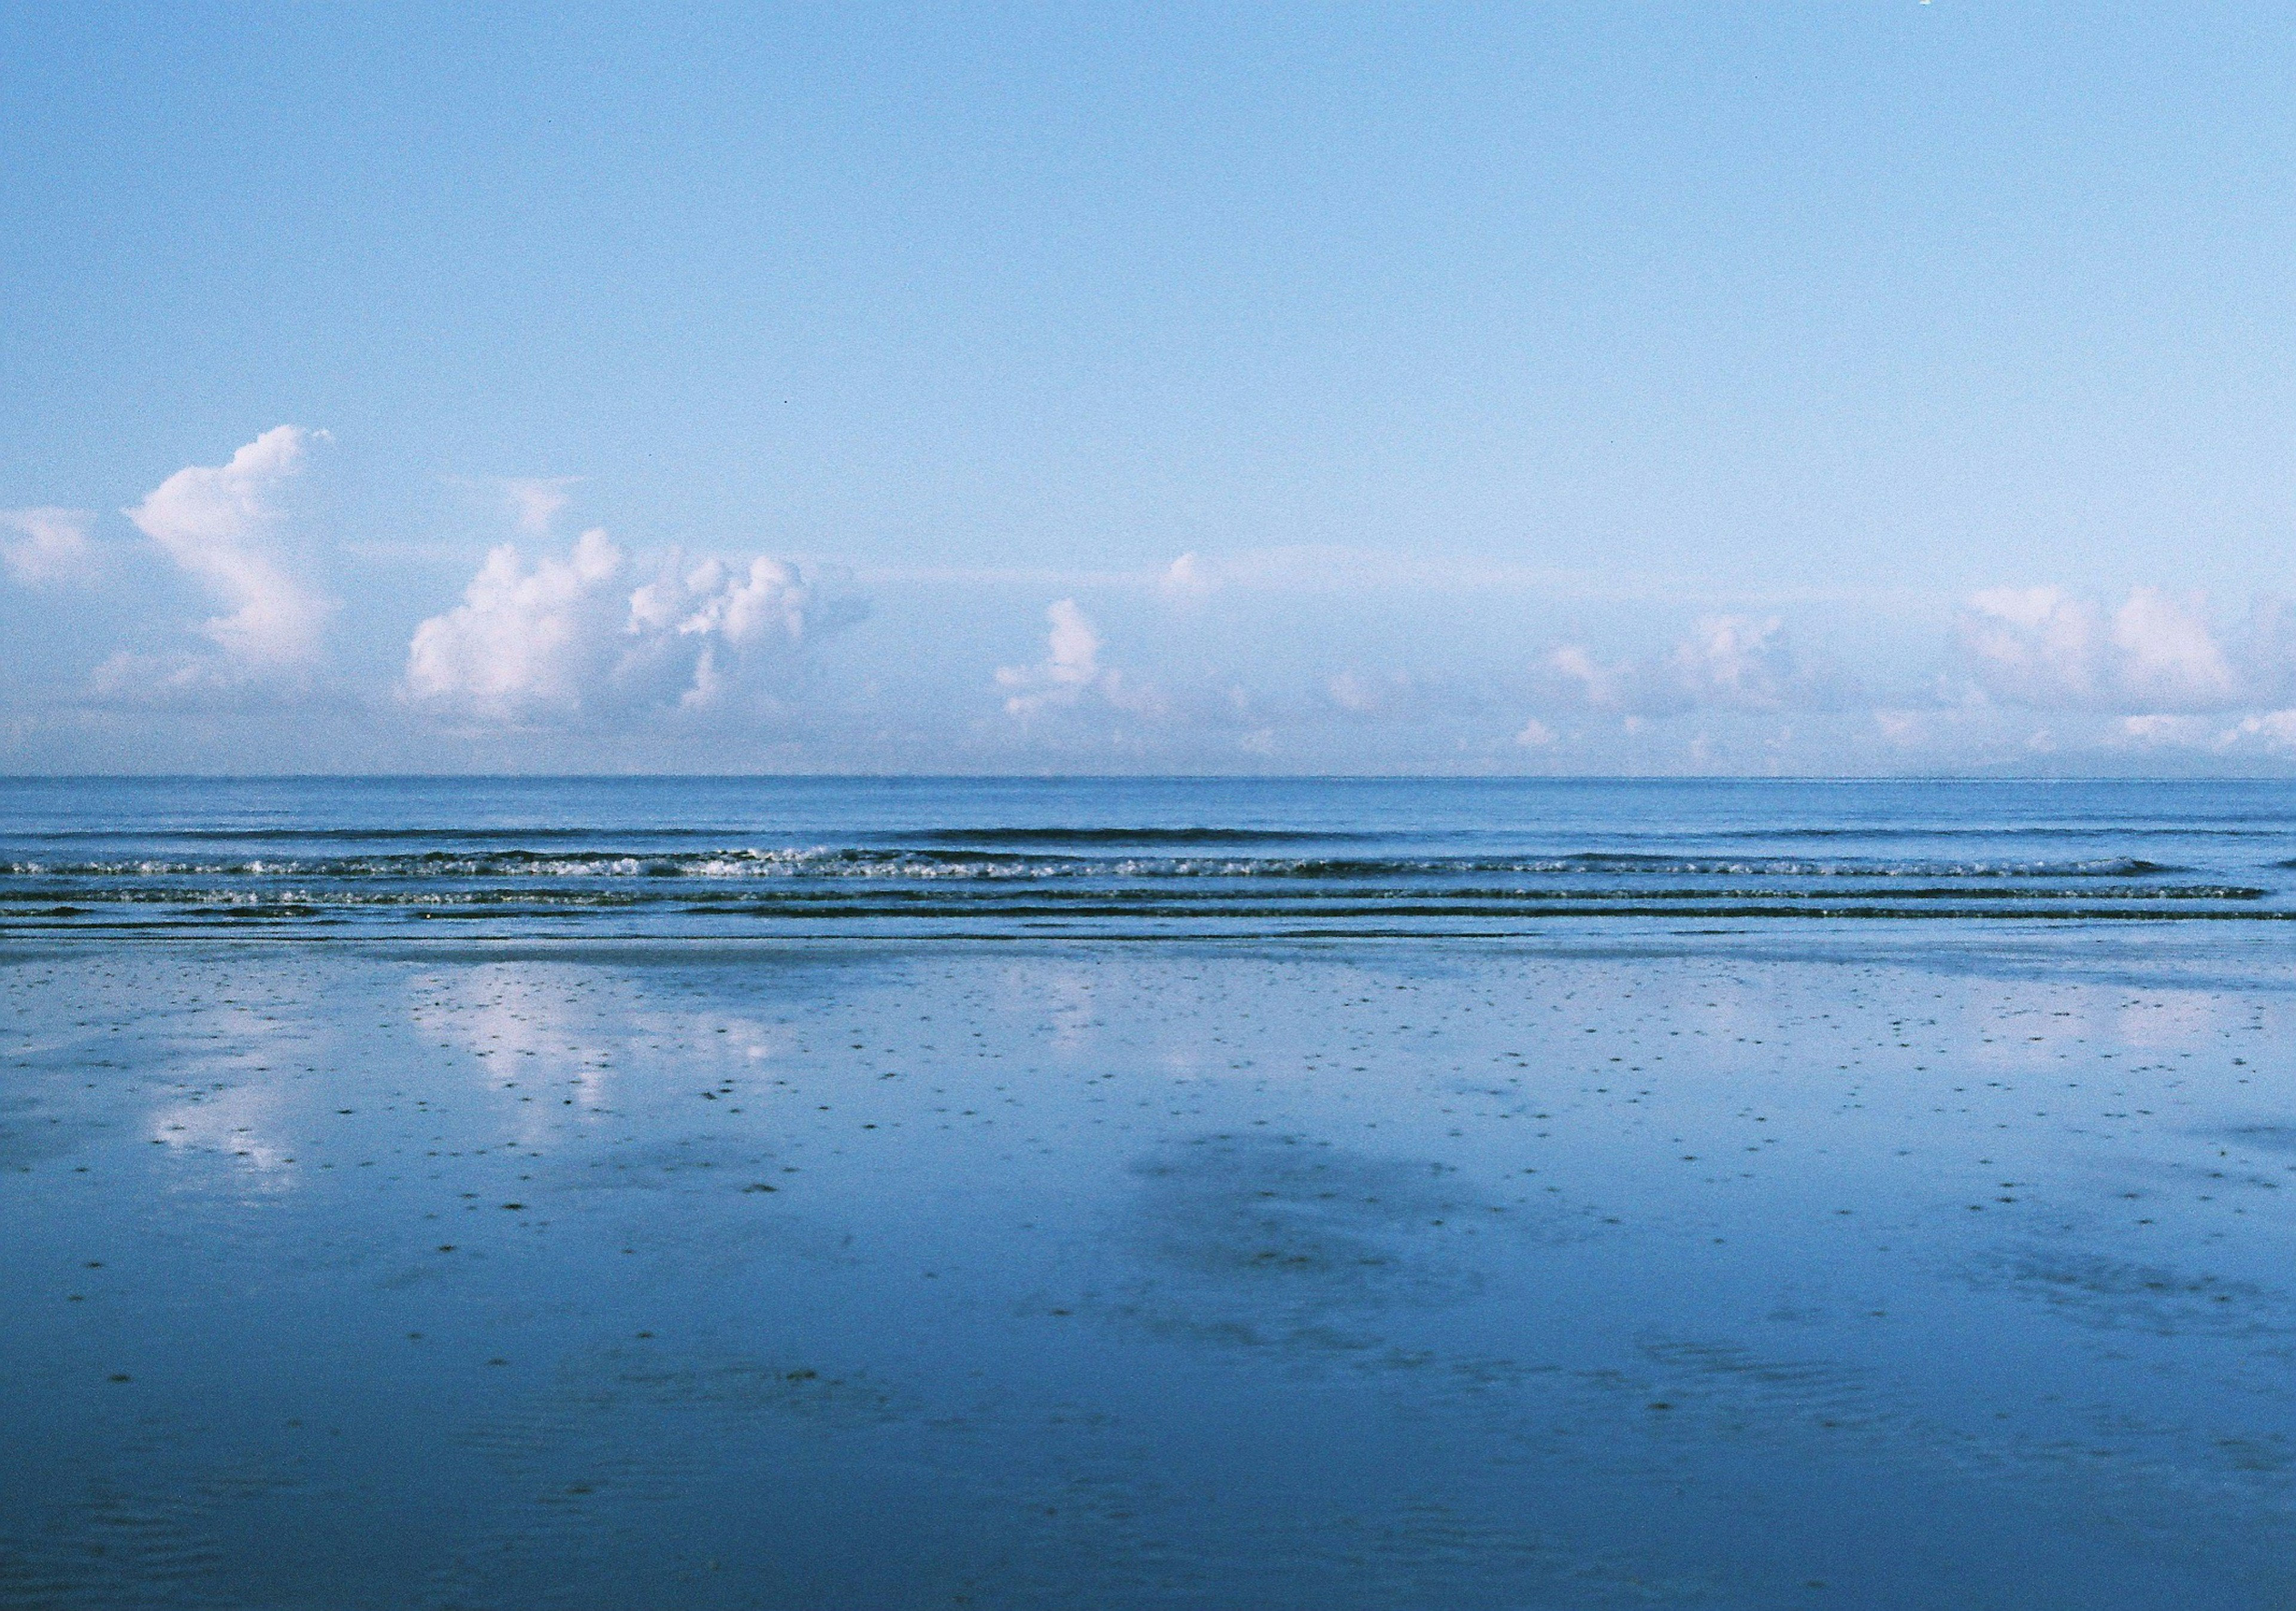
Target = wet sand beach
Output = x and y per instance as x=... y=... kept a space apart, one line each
x=1819 y=1265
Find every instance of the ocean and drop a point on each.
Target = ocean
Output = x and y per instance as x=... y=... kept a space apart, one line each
x=1123 y=857
x=1205 y=1193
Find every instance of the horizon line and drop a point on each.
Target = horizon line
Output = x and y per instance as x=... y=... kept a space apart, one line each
x=1136 y=777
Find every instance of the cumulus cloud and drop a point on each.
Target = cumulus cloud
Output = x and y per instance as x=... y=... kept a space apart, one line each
x=1071 y=672
x=1735 y=661
x=220 y=524
x=733 y=611
x=2168 y=656
x=51 y=545
x=1070 y=669
x=523 y=637
x=1727 y=662
x=2272 y=729
x=2034 y=645
x=596 y=631
x=2042 y=646
x=2151 y=676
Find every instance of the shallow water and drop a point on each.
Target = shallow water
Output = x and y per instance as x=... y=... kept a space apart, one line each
x=1819 y=1263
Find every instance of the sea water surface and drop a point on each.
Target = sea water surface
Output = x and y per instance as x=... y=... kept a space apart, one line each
x=1164 y=1193
x=697 y=856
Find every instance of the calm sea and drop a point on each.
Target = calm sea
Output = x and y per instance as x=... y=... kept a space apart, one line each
x=1268 y=858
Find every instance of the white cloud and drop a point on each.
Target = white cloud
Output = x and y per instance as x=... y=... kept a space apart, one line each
x=1071 y=670
x=1734 y=661
x=2042 y=646
x=220 y=524
x=1573 y=667
x=1728 y=663
x=522 y=639
x=2034 y=645
x=1070 y=666
x=2273 y=730
x=1535 y=734
x=584 y=634
x=729 y=611
x=2168 y=656
x=50 y=546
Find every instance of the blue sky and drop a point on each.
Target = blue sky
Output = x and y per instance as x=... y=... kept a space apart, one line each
x=1821 y=389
